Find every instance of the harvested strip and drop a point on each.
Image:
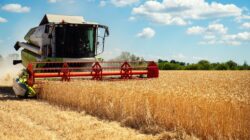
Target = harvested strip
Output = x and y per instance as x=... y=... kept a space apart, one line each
x=38 y=120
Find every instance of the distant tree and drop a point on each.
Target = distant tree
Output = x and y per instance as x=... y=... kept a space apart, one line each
x=232 y=65
x=201 y=65
x=173 y=61
x=245 y=65
x=204 y=65
x=192 y=67
x=127 y=56
x=222 y=66
x=182 y=63
x=214 y=65
x=124 y=56
x=161 y=65
x=177 y=62
x=160 y=61
x=170 y=66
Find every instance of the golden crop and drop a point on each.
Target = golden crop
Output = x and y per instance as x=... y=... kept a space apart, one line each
x=209 y=104
x=33 y=120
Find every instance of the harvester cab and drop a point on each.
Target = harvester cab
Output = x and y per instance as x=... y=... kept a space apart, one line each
x=63 y=38
x=68 y=46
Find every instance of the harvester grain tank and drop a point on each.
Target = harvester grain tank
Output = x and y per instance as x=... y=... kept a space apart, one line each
x=67 y=47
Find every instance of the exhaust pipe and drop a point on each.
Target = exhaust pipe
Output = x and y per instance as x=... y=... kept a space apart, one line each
x=15 y=62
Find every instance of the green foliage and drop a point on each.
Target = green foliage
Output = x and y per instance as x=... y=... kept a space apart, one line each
x=126 y=56
x=170 y=66
x=201 y=65
x=204 y=65
x=232 y=65
x=222 y=66
x=192 y=67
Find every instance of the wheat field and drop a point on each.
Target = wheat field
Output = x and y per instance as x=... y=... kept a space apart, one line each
x=24 y=119
x=34 y=120
x=207 y=104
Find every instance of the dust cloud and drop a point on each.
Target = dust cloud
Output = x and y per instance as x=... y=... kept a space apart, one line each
x=8 y=71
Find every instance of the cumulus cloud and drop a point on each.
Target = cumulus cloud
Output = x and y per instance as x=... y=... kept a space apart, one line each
x=242 y=36
x=242 y=18
x=3 y=20
x=217 y=33
x=214 y=28
x=179 y=12
x=102 y=3
x=52 y=1
x=131 y=18
x=122 y=3
x=178 y=56
x=146 y=33
x=246 y=25
x=55 y=1
x=195 y=30
x=16 y=8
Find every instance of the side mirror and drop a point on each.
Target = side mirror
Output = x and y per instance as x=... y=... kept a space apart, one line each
x=15 y=62
x=106 y=31
x=17 y=46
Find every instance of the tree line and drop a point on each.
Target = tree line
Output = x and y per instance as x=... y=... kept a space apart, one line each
x=201 y=65
x=177 y=65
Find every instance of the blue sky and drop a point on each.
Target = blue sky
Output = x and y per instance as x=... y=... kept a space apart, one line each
x=184 y=30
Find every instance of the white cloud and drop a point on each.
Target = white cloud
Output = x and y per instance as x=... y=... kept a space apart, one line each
x=195 y=30
x=245 y=36
x=242 y=36
x=180 y=12
x=16 y=8
x=166 y=19
x=146 y=33
x=198 y=58
x=216 y=33
x=233 y=43
x=214 y=28
x=131 y=18
x=3 y=20
x=246 y=25
x=102 y=3
x=122 y=3
x=55 y=1
x=217 y=28
x=209 y=37
x=242 y=17
x=52 y=1
x=178 y=56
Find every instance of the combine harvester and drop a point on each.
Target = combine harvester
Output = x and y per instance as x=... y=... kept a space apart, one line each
x=67 y=47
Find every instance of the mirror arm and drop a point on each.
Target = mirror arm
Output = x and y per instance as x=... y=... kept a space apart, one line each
x=106 y=34
x=103 y=42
